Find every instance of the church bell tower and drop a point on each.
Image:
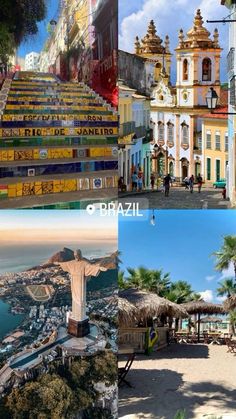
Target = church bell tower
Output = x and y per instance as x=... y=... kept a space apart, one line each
x=151 y=47
x=198 y=64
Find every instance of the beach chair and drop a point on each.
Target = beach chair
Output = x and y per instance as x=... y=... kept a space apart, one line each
x=192 y=338
x=123 y=371
x=206 y=338
x=231 y=345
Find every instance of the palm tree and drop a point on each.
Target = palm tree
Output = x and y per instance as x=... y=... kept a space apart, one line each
x=180 y=292
x=121 y=280
x=150 y=280
x=232 y=320
x=227 y=255
x=226 y=287
x=195 y=296
x=139 y=277
x=159 y=282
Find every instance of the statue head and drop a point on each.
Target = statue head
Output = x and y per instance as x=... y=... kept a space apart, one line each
x=78 y=254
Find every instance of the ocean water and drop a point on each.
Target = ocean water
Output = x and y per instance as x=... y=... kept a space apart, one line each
x=15 y=258
x=8 y=321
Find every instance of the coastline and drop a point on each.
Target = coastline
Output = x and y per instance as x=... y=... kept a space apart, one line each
x=8 y=317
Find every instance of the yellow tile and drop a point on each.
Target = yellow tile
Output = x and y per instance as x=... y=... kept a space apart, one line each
x=57 y=186
x=11 y=191
x=19 y=189
x=96 y=152
x=38 y=188
x=36 y=154
x=108 y=151
x=70 y=185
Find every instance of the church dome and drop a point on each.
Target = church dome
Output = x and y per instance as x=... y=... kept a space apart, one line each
x=151 y=43
x=198 y=36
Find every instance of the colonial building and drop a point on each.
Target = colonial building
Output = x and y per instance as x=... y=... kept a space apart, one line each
x=151 y=47
x=215 y=146
x=179 y=118
x=104 y=49
x=231 y=180
x=176 y=112
x=134 y=141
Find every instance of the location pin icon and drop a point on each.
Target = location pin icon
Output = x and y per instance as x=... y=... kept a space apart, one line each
x=90 y=209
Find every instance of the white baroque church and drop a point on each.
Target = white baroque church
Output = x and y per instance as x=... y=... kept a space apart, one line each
x=176 y=111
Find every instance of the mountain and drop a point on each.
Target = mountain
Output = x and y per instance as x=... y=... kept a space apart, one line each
x=65 y=255
x=62 y=256
x=109 y=262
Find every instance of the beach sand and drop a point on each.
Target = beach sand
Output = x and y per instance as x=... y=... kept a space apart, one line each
x=198 y=378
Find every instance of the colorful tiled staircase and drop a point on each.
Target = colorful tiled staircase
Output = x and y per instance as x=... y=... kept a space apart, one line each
x=55 y=137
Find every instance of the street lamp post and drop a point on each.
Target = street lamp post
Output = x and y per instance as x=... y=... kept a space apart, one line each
x=155 y=149
x=212 y=101
x=166 y=163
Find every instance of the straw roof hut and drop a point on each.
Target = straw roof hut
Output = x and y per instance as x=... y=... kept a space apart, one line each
x=126 y=312
x=230 y=303
x=151 y=305
x=202 y=307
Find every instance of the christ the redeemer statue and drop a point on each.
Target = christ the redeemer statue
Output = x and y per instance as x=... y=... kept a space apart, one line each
x=80 y=270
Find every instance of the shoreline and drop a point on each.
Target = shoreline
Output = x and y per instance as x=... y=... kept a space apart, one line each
x=16 y=328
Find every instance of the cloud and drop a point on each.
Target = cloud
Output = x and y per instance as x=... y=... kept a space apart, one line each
x=221 y=299
x=227 y=273
x=207 y=295
x=210 y=278
x=169 y=17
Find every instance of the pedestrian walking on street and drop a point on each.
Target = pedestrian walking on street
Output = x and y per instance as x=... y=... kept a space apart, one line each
x=199 y=182
x=134 y=181
x=140 y=183
x=224 y=193
x=167 y=181
x=191 y=183
x=140 y=179
x=186 y=182
x=152 y=181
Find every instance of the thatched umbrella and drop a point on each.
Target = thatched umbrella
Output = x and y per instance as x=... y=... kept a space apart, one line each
x=211 y=319
x=230 y=303
x=202 y=307
x=151 y=305
x=126 y=313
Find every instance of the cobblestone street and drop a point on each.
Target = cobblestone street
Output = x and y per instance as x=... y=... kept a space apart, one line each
x=179 y=198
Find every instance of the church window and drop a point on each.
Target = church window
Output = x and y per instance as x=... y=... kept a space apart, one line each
x=185 y=134
x=170 y=133
x=206 y=69
x=185 y=69
x=171 y=168
x=160 y=131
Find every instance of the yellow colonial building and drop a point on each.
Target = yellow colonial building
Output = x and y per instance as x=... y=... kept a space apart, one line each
x=215 y=146
x=134 y=147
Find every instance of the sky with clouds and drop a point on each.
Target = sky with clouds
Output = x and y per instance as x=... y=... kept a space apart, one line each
x=169 y=16
x=182 y=243
x=36 y=42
